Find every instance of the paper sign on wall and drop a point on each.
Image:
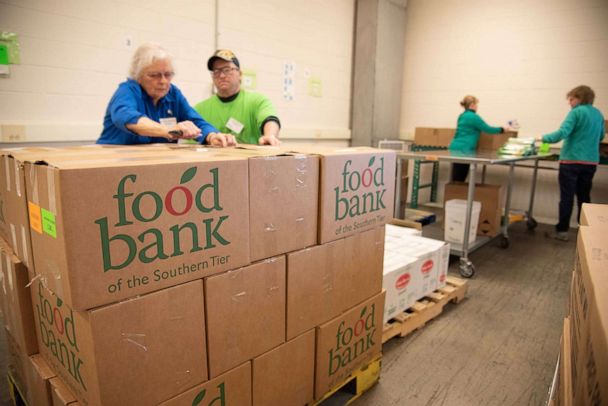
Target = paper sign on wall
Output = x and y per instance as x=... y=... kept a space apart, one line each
x=4 y=60
x=289 y=81
x=249 y=80
x=315 y=87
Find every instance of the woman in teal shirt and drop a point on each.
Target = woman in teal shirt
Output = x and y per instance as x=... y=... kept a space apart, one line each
x=470 y=126
x=581 y=131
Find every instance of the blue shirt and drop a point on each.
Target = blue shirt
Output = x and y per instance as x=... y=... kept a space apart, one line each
x=130 y=102
x=582 y=131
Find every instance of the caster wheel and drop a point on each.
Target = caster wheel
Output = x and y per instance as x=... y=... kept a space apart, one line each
x=467 y=269
x=531 y=224
x=504 y=243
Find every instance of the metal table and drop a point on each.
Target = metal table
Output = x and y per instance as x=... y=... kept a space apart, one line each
x=467 y=269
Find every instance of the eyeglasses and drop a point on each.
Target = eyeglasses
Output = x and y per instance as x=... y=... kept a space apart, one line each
x=223 y=71
x=159 y=75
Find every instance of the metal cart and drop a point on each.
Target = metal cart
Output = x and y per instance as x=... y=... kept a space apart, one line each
x=467 y=269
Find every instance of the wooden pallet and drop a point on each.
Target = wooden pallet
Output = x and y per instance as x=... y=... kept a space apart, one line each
x=357 y=383
x=425 y=309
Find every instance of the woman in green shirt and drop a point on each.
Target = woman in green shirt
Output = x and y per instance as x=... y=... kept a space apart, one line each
x=470 y=125
x=581 y=131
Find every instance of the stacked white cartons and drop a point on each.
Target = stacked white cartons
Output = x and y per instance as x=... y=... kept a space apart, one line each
x=402 y=282
x=455 y=215
x=435 y=256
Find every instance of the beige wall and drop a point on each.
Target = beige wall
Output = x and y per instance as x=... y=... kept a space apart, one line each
x=74 y=54
x=519 y=58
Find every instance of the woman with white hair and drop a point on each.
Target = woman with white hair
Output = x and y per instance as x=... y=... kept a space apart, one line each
x=147 y=108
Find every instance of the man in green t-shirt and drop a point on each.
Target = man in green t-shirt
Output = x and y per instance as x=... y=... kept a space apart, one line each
x=249 y=116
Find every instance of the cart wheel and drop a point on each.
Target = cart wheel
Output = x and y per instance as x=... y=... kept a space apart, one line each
x=504 y=242
x=531 y=223
x=467 y=269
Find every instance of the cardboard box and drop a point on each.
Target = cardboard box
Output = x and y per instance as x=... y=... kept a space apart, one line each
x=402 y=281
x=16 y=301
x=326 y=280
x=285 y=375
x=126 y=353
x=442 y=137
x=565 y=367
x=347 y=343
x=357 y=188
x=109 y=229
x=14 y=221
x=595 y=215
x=433 y=137
x=61 y=394
x=283 y=200
x=245 y=313
x=493 y=142
x=16 y=363
x=232 y=388
x=30 y=374
x=590 y=318
x=455 y=218
x=491 y=198
x=38 y=376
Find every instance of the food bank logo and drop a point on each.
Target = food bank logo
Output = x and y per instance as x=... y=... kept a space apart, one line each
x=58 y=334
x=352 y=341
x=201 y=396
x=180 y=200
x=368 y=186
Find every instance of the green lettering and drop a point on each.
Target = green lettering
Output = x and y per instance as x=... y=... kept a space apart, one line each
x=176 y=238
x=156 y=246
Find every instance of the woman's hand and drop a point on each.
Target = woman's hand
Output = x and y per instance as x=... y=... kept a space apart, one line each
x=184 y=129
x=221 y=140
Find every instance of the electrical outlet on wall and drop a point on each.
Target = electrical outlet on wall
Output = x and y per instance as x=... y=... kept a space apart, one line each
x=12 y=133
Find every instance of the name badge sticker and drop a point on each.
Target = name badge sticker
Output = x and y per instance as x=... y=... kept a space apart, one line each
x=168 y=121
x=235 y=125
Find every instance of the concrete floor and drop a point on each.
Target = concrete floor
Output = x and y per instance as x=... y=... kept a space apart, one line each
x=497 y=347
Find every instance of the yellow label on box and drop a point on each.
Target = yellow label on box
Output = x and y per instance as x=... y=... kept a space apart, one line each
x=35 y=217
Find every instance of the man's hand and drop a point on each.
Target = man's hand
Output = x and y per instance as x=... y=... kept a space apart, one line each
x=221 y=140
x=269 y=140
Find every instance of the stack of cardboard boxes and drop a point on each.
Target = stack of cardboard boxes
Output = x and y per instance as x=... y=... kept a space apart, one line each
x=192 y=275
x=583 y=367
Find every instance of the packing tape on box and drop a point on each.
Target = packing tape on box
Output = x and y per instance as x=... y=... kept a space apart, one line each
x=3 y=284
x=270 y=227
x=18 y=178
x=8 y=174
x=134 y=338
x=8 y=272
x=33 y=179
x=301 y=170
x=24 y=236
x=50 y=175
x=271 y=277
x=14 y=237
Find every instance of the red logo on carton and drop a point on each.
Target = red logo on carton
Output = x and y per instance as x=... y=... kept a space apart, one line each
x=427 y=266
x=442 y=277
x=402 y=281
